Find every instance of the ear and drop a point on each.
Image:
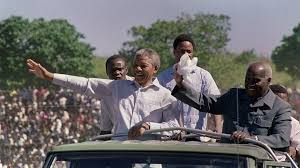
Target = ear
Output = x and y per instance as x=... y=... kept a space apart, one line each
x=156 y=68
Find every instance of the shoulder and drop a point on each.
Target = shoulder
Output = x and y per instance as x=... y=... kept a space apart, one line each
x=281 y=104
x=165 y=76
x=203 y=72
x=166 y=93
x=240 y=92
x=121 y=83
x=204 y=75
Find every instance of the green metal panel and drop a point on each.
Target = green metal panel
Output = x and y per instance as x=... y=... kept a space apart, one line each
x=167 y=146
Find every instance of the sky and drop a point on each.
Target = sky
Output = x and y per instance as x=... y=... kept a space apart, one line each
x=255 y=24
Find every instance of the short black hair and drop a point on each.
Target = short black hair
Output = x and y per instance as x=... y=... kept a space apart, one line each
x=278 y=88
x=114 y=57
x=181 y=38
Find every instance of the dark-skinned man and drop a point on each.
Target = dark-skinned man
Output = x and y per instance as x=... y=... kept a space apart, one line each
x=254 y=112
x=135 y=109
x=202 y=82
x=116 y=69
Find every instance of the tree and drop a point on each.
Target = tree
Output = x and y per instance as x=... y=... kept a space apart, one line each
x=210 y=33
x=56 y=44
x=286 y=57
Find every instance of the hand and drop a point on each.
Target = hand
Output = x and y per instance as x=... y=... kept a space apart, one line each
x=39 y=70
x=239 y=136
x=178 y=78
x=138 y=130
x=292 y=152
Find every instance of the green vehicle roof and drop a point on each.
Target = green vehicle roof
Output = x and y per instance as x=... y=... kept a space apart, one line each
x=248 y=150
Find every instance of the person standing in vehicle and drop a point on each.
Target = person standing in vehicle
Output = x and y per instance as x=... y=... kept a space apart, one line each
x=202 y=82
x=254 y=112
x=116 y=69
x=294 y=149
x=132 y=101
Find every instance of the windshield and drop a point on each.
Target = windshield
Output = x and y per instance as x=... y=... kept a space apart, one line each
x=146 y=160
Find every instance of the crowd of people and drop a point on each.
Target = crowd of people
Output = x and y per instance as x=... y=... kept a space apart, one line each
x=34 y=120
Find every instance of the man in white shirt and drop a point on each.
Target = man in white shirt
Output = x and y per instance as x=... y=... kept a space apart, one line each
x=138 y=105
x=116 y=69
x=202 y=82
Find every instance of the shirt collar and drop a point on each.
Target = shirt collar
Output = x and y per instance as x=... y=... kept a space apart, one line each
x=155 y=83
x=268 y=99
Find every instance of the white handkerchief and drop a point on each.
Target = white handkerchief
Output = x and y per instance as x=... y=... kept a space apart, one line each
x=185 y=67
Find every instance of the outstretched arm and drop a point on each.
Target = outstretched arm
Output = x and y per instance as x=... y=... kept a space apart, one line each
x=88 y=86
x=39 y=70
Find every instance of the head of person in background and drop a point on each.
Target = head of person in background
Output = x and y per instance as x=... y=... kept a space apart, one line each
x=146 y=64
x=116 y=67
x=182 y=44
x=280 y=91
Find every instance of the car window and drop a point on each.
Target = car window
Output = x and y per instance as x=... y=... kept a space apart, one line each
x=147 y=160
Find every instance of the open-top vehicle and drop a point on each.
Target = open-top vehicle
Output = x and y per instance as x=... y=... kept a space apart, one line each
x=166 y=154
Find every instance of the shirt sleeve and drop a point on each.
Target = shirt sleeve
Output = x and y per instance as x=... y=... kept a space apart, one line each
x=211 y=86
x=295 y=133
x=169 y=120
x=88 y=86
x=202 y=102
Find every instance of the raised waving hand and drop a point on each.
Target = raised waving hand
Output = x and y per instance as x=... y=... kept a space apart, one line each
x=39 y=70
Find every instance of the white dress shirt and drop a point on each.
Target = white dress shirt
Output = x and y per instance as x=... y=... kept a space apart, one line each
x=295 y=134
x=203 y=83
x=130 y=103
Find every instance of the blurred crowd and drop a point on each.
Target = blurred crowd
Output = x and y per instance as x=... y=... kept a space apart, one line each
x=34 y=120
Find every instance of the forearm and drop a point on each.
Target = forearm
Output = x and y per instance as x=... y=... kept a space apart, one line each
x=186 y=96
x=202 y=102
x=168 y=124
x=87 y=86
x=275 y=140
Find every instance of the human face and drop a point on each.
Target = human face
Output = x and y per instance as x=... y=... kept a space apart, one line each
x=144 y=70
x=256 y=83
x=283 y=96
x=117 y=69
x=182 y=48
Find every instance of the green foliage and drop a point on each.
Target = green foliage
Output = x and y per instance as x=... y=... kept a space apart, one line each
x=99 y=64
x=208 y=31
x=229 y=69
x=287 y=56
x=55 y=44
x=226 y=71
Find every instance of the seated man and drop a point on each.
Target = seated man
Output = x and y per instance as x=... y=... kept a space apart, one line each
x=140 y=104
x=254 y=112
